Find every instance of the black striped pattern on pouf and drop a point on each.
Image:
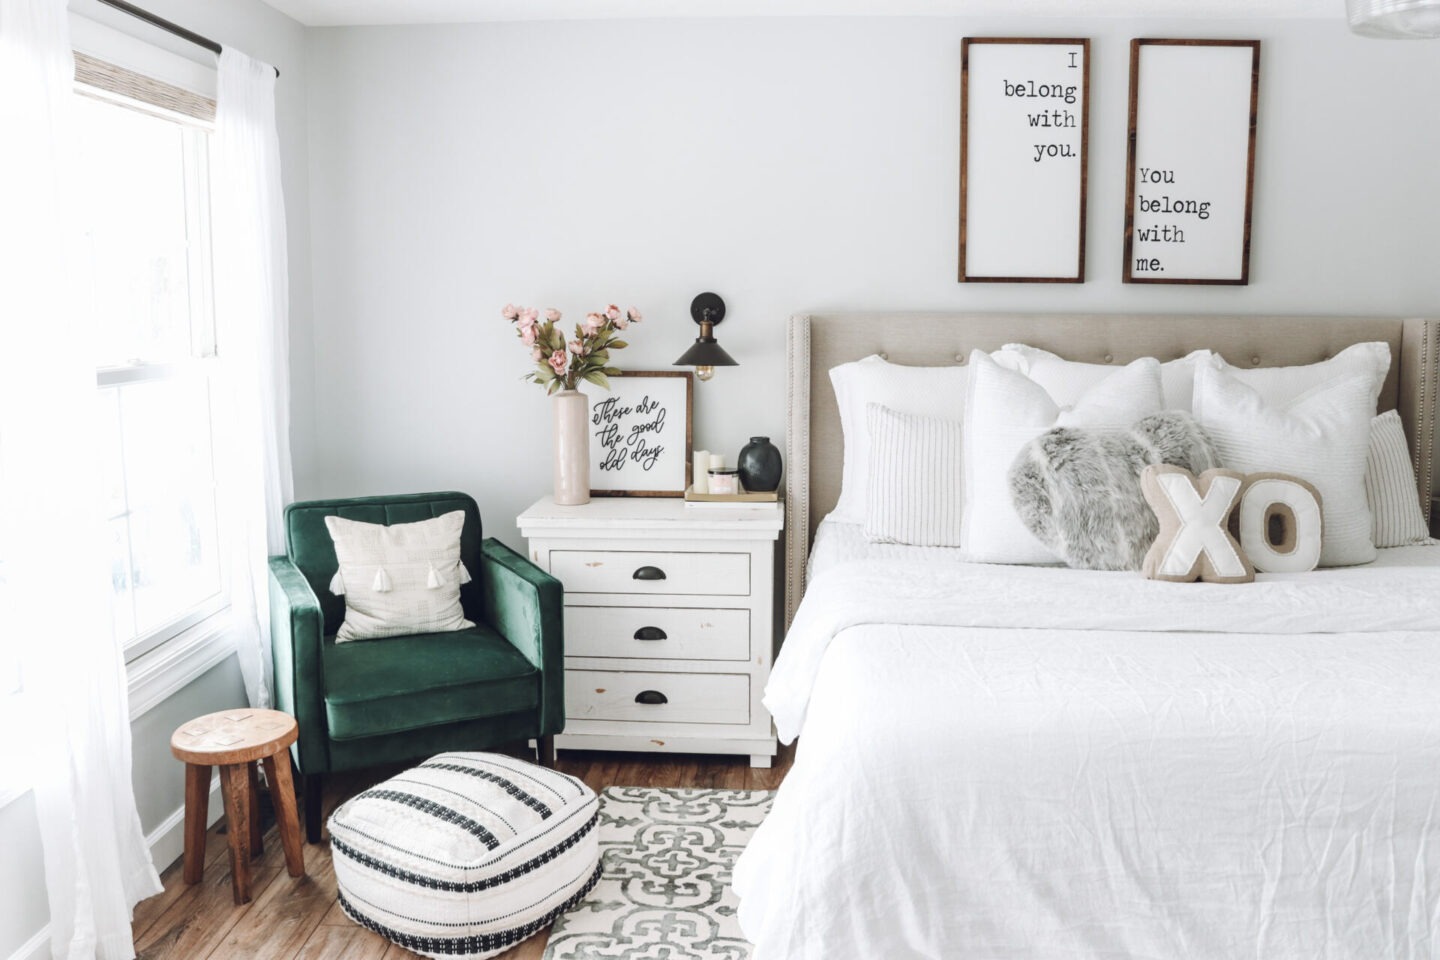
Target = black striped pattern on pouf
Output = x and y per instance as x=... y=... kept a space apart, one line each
x=465 y=855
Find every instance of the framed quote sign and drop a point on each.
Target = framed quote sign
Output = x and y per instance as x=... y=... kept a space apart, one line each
x=1191 y=167
x=1024 y=133
x=640 y=434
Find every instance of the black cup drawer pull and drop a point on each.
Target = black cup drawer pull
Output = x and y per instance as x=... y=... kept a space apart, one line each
x=648 y=573
x=652 y=697
x=650 y=633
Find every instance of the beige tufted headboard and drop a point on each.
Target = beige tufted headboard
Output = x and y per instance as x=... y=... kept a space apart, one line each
x=818 y=342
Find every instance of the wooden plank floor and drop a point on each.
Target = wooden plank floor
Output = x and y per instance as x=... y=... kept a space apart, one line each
x=288 y=919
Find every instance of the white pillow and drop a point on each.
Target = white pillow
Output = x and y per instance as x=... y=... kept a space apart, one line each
x=1280 y=385
x=1065 y=380
x=914 y=494
x=1390 y=485
x=399 y=579
x=1321 y=436
x=1004 y=411
x=928 y=391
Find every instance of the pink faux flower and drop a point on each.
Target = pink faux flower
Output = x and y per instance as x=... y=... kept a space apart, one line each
x=509 y=311
x=552 y=315
x=529 y=315
x=633 y=315
x=621 y=323
x=526 y=320
x=558 y=362
x=592 y=324
x=613 y=312
x=577 y=348
x=537 y=354
x=527 y=334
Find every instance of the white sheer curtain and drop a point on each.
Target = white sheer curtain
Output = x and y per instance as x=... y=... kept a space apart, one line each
x=252 y=338
x=51 y=532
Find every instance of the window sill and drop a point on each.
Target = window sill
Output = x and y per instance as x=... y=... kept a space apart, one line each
x=161 y=672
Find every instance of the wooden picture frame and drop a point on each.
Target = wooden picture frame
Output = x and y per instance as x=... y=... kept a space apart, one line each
x=1190 y=167
x=641 y=433
x=1022 y=213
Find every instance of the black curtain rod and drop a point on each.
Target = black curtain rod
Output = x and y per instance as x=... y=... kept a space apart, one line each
x=168 y=27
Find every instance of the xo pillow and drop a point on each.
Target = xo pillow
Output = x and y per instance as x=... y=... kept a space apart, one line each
x=1321 y=436
x=1065 y=380
x=399 y=579
x=935 y=392
x=1005 y=411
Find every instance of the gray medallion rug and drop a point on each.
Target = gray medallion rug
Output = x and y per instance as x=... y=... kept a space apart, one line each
x=665 y=891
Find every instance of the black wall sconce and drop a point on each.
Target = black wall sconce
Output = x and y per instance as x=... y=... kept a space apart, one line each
x=705 y=354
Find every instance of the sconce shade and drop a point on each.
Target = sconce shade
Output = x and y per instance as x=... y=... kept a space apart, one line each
x=1395 y=19
x=706 y=352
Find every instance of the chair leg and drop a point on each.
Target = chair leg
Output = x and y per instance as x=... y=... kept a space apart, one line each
x=314 y=796
x=545 y=747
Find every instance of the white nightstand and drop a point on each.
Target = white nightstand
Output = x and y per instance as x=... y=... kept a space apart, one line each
x=669 y=622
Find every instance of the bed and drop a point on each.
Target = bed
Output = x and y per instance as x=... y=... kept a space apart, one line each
x=1036 y=762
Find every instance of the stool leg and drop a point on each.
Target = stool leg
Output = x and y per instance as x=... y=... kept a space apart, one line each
x=257 y=829
x=287 y=819
x=197 y=812
x=314 y=790
x=237 y=816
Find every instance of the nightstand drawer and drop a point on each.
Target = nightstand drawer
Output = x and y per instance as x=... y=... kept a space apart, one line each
x=657 y=633
x=657 y=697
x=617 y=571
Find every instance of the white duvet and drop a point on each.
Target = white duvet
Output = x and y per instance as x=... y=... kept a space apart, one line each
x=1035 y=763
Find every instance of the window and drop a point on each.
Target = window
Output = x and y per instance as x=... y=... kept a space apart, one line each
x=142 y=262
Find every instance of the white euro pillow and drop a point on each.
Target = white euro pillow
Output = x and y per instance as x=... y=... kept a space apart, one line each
x=936 y=392
x=399 y=579
x=1004 y=411
x=1065 y=380
x=1321 y=436
x=1280 y=385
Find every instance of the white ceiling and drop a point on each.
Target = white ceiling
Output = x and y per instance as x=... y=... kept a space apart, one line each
x=345 y=12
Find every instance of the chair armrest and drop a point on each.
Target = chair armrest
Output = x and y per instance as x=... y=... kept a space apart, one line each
x=296 y=634
x=526 y=605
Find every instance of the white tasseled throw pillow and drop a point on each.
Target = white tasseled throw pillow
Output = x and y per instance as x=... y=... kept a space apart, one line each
x=1390 y=485
x=399 y=579
x=467 y=854
x=914 y=490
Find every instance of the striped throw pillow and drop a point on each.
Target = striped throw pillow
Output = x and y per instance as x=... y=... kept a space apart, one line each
x=1390 y=485
x=914 y=494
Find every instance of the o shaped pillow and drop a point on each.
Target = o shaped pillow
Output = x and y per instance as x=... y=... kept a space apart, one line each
x=1280 y=523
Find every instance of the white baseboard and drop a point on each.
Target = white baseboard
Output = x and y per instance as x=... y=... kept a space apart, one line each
x=36 y=948
x=167 y=841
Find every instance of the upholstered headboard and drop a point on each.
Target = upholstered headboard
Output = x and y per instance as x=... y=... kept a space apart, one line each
x=818 y=342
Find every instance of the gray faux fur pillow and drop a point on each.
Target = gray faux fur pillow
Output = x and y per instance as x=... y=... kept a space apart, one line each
x=1078 y=490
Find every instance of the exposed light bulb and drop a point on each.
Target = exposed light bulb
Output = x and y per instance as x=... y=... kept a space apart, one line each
x=704 y=373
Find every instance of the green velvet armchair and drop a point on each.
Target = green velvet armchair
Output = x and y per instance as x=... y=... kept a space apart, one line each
x=370 y=702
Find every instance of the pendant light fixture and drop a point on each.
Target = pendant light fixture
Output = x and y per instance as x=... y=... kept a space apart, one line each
x=1395 y=19
x=705 y=354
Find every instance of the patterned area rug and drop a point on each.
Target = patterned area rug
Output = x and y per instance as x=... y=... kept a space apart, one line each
x=665 y=893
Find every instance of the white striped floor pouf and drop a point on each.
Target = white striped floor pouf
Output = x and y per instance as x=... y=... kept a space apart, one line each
x=465 y=855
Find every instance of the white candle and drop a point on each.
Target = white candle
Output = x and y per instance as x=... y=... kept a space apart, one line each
x=717 y=461
x=699 y=471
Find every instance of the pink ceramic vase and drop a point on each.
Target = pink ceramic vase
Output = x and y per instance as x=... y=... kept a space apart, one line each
x=572 y=447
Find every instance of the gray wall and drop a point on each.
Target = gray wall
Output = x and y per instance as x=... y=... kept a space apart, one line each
x=263 y=32
x=788 y=165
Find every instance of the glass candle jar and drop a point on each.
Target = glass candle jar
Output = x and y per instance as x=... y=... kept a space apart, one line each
x=725 y=481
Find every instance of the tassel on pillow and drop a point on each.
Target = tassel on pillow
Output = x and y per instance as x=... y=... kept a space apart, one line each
x=382 y=581
x=434 y=581
x=464 y=574
x=337 y=584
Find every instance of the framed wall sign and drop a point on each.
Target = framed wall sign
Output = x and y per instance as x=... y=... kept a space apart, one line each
x=640 y=434
x=1191 y=167
x=1024 y=130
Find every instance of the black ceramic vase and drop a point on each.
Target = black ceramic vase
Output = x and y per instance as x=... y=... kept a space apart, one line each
x=760 y=465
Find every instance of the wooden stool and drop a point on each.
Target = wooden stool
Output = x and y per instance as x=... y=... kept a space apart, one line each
x=233 y=740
